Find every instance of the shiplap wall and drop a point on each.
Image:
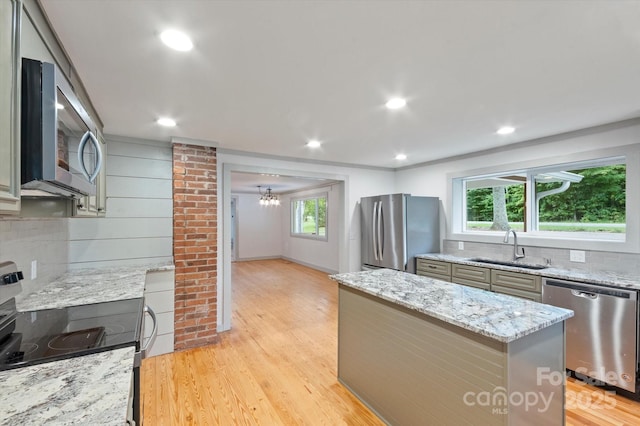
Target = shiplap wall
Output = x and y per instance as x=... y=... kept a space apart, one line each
x=138 y=226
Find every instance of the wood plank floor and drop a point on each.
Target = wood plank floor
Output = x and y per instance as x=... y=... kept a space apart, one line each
x=277 y=366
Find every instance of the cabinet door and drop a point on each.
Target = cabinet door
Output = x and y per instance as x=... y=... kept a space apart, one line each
x=10 y=12
x=536 y=297
x=434 y=269
x=516 y=280
x=473 y=276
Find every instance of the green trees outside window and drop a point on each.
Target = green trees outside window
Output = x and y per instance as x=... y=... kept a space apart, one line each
x=309 y=217
x=589 y=199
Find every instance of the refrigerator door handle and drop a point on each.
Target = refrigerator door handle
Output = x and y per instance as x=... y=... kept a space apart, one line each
x=373 y=231
x=380 y=231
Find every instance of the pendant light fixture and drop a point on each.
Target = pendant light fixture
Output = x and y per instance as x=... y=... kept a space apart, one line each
x=267 y=198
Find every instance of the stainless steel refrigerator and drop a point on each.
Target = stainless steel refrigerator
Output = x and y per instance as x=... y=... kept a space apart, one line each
x=396 y=227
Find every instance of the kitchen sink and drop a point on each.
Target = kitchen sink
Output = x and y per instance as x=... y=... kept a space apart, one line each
x=508 y=263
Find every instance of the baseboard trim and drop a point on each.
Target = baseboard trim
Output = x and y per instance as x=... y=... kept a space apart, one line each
x=299 y=262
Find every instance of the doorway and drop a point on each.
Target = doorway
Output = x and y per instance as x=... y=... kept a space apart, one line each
x=230 y=224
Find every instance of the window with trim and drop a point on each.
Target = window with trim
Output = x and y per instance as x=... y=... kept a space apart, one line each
x=309 y=217
x=582 y=200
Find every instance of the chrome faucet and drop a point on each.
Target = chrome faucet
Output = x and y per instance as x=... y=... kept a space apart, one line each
x=516 y=255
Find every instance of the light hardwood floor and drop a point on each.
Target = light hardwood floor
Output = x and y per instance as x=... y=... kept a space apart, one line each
x=277 y=366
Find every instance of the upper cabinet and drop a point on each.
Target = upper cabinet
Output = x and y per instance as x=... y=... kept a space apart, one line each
x=10 y=14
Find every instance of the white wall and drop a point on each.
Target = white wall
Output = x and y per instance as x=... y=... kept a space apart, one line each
x=319 y=254
x=138 y=226
x=259 y=228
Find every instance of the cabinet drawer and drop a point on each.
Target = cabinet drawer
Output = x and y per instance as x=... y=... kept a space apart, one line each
x=536 y=297
x=516 y=281
x=471 y=283
x=471 y=273
x=433 y=268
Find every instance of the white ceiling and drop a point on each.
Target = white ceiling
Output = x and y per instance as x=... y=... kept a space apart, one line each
x=248 y=183
x=265 y=76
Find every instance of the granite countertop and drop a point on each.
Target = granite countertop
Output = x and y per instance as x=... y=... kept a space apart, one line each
x=497 y=316
x=606 y=278
x=84 y=286
x=87 y=390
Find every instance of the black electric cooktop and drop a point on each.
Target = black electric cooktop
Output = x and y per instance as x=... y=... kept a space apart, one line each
x=34 y=337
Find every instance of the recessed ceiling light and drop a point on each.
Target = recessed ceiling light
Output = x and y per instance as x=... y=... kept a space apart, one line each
x=401 y=157
x=396 y=103
x=506 y=130
x=176 y=40
x=166 y=122
x=314 y=143
x=59 y=106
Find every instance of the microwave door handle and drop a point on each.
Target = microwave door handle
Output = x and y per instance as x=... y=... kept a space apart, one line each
x=88 y=136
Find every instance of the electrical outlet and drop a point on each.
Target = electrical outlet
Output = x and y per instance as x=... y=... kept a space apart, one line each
x=34 y=269
x=576 y=256
x=460 y=245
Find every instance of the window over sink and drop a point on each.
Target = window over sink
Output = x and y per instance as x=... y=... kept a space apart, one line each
x=575 y=204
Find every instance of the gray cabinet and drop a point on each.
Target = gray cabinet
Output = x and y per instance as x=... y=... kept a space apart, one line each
x=10 y=12
x=519 y=284
x=473 y=276
x=434 y=269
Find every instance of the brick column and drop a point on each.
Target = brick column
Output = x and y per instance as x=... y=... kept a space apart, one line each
x=195 y=249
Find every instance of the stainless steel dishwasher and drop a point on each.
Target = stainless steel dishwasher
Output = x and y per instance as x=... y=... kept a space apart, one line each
x=602 y=337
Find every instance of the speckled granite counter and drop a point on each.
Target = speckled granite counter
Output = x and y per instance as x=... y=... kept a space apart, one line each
x=606 y=278
x=86 y=286
x=500 y=317
x=88 y=390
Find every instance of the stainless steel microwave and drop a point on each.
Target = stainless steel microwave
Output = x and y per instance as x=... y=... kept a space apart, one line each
x=60 y=153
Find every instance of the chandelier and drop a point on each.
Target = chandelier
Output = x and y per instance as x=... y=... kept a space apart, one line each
x=267 y=198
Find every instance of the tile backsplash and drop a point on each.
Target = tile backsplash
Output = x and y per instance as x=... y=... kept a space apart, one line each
x=42 y=240
x=595 y=261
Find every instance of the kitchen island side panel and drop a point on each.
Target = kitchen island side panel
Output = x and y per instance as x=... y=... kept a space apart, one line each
x=410 y=368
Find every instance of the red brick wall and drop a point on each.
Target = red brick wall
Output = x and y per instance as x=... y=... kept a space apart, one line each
x=195 y=249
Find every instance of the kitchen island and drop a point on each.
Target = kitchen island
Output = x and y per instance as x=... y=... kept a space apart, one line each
x=422 y=351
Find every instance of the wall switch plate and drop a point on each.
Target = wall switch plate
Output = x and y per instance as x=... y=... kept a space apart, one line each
x=577 y=256
x=460 y=245
x=34 y=269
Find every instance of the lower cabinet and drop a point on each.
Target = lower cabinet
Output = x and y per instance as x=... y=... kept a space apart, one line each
x=434 y=269
x=519 y=284
x=473 y=276
x=159 y=295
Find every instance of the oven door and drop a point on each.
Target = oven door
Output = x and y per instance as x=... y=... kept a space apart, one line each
x=135 y=416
